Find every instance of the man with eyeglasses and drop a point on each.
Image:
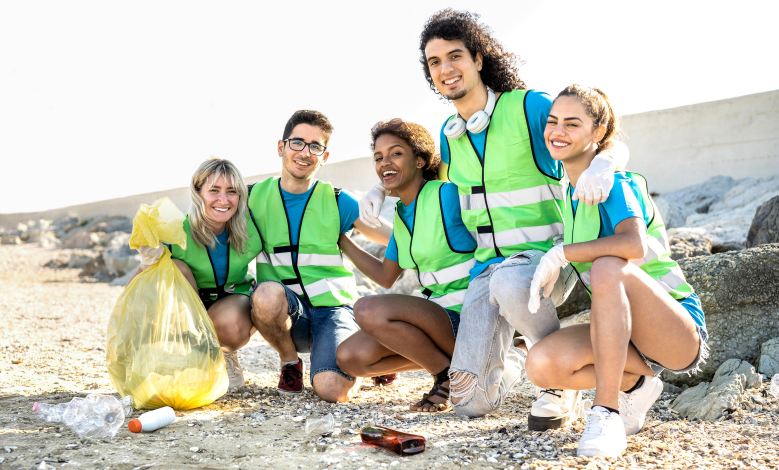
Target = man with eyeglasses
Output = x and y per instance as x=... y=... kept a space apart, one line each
x=304 y=295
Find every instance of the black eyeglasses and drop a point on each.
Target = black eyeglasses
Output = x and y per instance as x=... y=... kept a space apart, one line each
x=300 y=144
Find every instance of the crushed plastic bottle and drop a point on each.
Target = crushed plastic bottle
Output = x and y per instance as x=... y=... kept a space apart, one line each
x=320 y=425
x=773 y=387
x=94 y=417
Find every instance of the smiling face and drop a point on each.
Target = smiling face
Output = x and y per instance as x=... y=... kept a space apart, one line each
x=452 y=68
x=570 y=132
x=396 y=165
x=220 y=200
x=302 y=164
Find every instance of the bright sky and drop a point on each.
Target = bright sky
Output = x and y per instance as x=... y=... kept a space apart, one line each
x=103 y=99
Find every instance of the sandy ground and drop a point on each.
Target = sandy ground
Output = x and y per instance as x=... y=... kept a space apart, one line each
x=52 y=348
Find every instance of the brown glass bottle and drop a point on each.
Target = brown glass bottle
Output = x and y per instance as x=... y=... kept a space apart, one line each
x=398 y=442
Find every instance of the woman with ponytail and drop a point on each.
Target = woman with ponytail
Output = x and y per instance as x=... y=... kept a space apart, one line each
x=645 y=317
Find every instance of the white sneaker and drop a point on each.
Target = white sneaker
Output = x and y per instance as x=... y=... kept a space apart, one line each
x=234 y=371
x=553 y=409
x=633 y=406
x=604 y=434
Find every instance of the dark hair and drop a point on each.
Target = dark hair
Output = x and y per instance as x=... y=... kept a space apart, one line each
x=598 y=107
x=310 y=117
x=417 y=137
x=499 y=70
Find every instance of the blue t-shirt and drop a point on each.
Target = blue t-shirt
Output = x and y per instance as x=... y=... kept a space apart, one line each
x=219 y=256
x=623 y=203
x=458 y=235
x=538 y=104
x=348 y=210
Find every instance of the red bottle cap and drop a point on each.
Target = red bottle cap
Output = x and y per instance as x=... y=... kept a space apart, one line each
x=135 y=425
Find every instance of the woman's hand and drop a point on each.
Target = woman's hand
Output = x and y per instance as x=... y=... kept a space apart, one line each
x=370 y=206
x=546 y=275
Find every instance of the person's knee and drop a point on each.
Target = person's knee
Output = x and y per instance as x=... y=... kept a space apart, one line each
x=466 y=397
x=607 y=271
x=231 y=334
x=269 y=300
x=348 y=359
x=368 y=314
x=510 y=285
x=541 y=366
x=332 y=387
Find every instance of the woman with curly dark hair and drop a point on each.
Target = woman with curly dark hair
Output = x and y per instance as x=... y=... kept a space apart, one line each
x=511 y=201
x=403 y=332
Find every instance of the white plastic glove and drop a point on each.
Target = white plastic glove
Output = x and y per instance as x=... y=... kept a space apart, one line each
x=370 y=206
x=595 y=182
x=149 y=255
x=545 y=276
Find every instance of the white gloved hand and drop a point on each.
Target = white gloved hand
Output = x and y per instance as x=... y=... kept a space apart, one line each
x=370 y=206
x=546 y=275
x=149 y=255
x=595 y=182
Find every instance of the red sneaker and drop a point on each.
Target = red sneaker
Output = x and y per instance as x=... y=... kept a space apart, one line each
x=291 y=378
x=385 y=380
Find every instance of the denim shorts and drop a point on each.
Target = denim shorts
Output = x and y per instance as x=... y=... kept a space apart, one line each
x=693 y=306
x=454 y=319
x=319 y=331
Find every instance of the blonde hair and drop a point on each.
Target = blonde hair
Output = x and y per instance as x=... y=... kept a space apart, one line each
x=207 y=173
x=597 y=105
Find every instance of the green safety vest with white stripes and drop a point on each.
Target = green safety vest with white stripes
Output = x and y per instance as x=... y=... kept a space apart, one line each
x=196 y=256
x=585 y=225
x=507 y=203
x=317 y=273
x=443 y=272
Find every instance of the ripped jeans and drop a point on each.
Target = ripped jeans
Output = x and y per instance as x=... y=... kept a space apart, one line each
x=485 y=364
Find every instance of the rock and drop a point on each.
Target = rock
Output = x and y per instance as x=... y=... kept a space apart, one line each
x=769 y=358
x=727 y=220
x=80 y=259
x=119 y=259
x=710 y=401
x=11 y=238
x=739 y=292
x=49 y=240
x=687 y=242
x=80 y=239
x=578 y=301
x=676 y=206
x=765 y=224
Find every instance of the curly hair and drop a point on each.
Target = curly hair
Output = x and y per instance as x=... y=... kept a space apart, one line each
x=597 y=106
x=417 y=137
x=499 y=67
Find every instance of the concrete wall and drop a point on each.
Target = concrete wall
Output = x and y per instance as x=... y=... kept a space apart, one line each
x=673 y=148
x=678 y=147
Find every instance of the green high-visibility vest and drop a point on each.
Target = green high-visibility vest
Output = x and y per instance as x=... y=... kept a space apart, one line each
x=585 y=225
x=317 y=273
x=507 y=203
x=443 y=272
x=196 y=256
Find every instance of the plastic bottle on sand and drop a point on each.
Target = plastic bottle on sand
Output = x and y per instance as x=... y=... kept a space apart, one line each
x=152 y=420
x=95 y=417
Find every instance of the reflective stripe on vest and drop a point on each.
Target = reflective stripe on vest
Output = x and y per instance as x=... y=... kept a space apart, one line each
x=196 y=257
x=585 y=225
x=507 y=203
x=443 y=273
x=318 y=273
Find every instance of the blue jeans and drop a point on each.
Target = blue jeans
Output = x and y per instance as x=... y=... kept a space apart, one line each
x=319 y=331
x=485 y=365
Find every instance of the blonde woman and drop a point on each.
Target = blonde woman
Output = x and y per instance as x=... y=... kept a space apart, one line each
x=221 y=242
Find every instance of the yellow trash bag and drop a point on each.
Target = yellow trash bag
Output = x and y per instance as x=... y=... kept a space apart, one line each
x=162 y=346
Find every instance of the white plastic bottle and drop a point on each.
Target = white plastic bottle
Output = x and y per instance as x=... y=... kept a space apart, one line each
x=152 y=420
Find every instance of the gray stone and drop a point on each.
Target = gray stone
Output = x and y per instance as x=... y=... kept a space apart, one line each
x=765 y=224
x=11 y=238
x=769 y=358
x=578 y=301
x=119 y=259
x=687 y=242
x=710 y=401
x=739 y=292
x=676 y=206
x=80 y=239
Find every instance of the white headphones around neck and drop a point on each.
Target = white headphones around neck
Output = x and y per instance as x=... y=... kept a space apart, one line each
x=477 y=123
